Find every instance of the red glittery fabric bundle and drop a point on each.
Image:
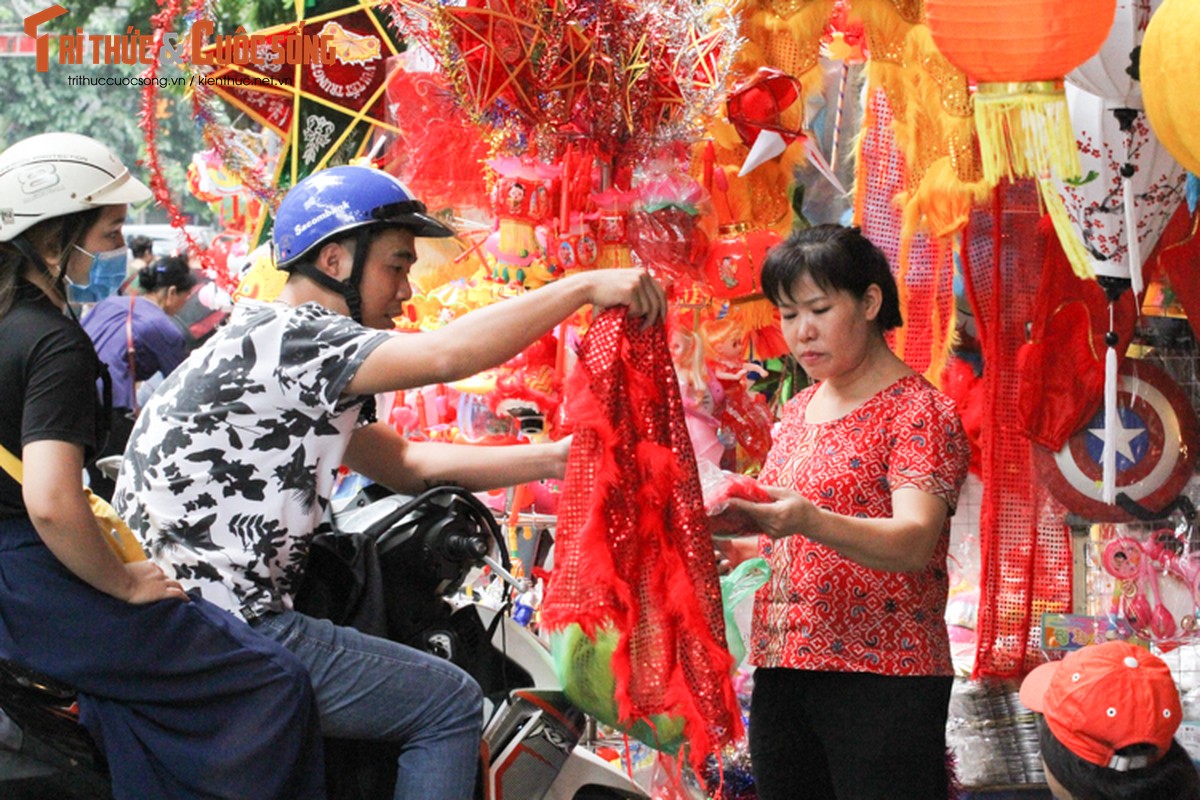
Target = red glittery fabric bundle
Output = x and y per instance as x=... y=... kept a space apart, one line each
x=632 y=547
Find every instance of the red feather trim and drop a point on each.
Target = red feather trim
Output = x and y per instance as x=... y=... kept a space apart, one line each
x=632 y=549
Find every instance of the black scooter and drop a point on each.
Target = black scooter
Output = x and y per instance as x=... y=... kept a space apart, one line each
x=391 y=570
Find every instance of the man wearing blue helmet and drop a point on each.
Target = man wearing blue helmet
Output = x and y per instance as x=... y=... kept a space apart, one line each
x=229 y=470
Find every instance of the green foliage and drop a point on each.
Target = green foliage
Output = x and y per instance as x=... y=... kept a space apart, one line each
x=227 y=14
x=33 y=102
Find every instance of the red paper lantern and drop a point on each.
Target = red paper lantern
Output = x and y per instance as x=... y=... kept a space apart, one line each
x=1000 y=41
x=735 y=261
x=1019 y=52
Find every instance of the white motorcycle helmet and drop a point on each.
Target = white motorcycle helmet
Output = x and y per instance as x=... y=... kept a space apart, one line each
x=55 y=174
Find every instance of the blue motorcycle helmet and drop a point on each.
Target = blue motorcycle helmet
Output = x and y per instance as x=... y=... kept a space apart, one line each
x=337 y=203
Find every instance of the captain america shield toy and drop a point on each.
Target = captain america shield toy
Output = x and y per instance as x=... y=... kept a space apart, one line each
x=1156 y=448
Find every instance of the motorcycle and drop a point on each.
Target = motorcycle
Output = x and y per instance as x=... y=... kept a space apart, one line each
x=424 y=549
x=394 y=567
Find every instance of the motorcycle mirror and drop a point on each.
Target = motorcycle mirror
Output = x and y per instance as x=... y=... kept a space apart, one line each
x=542 y=547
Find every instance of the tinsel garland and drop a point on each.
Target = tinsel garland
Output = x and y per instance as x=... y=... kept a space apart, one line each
x=627 y=77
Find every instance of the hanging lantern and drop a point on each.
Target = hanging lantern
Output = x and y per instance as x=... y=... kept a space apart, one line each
x=1018 y=51
x=735 y=261
x=1131 y=189
x=758 y=108
x=1112 y=78
x=524 y=195
x=1170 y=73
x=1113 y=72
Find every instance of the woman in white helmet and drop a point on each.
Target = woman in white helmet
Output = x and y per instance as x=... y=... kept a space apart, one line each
x=183 y=700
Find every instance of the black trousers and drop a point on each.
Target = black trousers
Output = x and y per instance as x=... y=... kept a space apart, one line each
x=848 y=736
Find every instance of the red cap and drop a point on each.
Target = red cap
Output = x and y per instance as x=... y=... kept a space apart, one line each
x=1105 y=697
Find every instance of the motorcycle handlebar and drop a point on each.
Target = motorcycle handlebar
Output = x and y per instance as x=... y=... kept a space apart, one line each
x=464 y=547
x=520 y=584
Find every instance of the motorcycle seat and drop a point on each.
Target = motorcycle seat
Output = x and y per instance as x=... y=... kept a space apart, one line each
x=15 y=674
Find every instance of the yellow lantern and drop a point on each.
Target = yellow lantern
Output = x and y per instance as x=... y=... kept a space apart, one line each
x=1170 y=72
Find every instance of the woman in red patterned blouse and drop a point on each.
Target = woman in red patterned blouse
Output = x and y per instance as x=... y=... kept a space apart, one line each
x=853 y=664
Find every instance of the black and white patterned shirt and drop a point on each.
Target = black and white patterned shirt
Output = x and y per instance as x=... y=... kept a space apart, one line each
x=228 y=472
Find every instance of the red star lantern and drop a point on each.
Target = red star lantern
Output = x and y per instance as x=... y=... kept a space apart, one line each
x=758 y=110
x=567 y=70
x=496 y=43
x=759 y=105
x=700 y=64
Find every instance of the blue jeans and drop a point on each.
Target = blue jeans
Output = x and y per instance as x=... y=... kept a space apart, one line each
x=374 y=689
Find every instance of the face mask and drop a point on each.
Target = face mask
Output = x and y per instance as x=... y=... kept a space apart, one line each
x=104 y=276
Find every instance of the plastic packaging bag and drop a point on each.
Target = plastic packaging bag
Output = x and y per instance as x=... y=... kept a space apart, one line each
x=584 y=666
x=745 y=579
x=719 y=487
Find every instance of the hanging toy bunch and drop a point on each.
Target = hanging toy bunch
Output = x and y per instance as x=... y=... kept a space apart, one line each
x=578 y=103
x=610 y=207
x=427 y=414
x=729 y=425
x=699 y=389
x=529 y=390
x=525 y=201
x=1158 y=585
x=572 y=244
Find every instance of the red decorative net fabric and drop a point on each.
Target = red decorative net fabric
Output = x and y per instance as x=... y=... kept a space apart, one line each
x=632 y=547
x=1025 y=550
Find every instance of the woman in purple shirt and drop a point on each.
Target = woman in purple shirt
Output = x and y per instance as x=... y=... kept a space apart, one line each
x=137 y=337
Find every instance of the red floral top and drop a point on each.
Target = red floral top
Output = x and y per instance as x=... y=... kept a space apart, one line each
x=820 y=611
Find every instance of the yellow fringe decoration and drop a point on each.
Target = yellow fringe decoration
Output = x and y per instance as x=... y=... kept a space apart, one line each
x=943 y=332
x=886 y=31
x=938 y=118
x=1077 y=254
x=885 y=28
x=614 y=256
x=933 y=126
x=857 y=192
x=936 y=133
x=786 y=36
x=518 y=238
x=754 y=313
x=941 y=204
x=901 y=334
x=1024 y=131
